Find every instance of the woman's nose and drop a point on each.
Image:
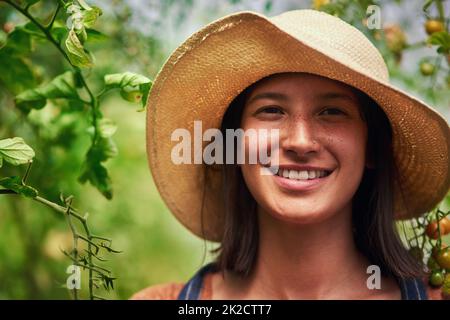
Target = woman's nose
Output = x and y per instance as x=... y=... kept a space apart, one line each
x=300 y=137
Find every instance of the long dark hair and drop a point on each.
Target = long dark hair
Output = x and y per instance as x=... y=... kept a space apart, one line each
x=375 y=234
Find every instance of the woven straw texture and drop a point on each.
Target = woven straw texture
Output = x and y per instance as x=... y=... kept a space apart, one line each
x=203 y=75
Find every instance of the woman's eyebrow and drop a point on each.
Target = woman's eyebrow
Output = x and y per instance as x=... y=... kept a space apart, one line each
x=283 y=97
x=268 y=95
x=336 y=95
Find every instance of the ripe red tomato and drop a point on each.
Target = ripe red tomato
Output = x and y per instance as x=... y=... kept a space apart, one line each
x=432 y=228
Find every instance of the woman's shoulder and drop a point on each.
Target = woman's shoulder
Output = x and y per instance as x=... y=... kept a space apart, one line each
x=163 y=291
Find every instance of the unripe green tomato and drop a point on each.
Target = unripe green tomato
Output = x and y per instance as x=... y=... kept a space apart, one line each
x=426 y=68
x=436 y=278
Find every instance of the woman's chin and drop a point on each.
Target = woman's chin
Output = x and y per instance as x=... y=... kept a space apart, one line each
x=301 y=217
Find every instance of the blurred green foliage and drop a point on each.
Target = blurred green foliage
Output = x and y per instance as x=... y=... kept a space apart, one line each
x=155 y=247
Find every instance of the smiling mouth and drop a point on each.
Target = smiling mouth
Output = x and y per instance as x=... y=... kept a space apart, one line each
x=301 y=175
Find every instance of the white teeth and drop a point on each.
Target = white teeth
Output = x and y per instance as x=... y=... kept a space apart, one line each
x=300 y=175
x=303 y=175
x=293 y=174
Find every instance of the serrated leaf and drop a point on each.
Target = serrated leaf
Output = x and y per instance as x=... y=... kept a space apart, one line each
x=76 y=52
x=104 y=149
x=97 y=175
x=15 y=151
x=134 y=87
x=15 y=184
x=90 y=16
x=62 y=86
x=126 y=79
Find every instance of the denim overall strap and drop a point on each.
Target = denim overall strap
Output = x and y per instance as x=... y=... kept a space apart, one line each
x=413 y=289
x=191 y=290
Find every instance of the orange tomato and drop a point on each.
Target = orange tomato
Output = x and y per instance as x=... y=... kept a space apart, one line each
x=432 y=26
x=432 y=228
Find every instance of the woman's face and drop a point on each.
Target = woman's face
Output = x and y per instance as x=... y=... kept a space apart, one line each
x=321 y=132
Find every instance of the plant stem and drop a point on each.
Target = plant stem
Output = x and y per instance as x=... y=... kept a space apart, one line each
x=46 y=31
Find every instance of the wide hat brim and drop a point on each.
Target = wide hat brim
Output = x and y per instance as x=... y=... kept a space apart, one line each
x=204 y=74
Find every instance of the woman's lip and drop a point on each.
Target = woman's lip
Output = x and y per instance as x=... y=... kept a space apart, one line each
x=300 y=185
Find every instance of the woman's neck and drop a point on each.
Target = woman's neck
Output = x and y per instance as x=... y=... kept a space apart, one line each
x=311 y=261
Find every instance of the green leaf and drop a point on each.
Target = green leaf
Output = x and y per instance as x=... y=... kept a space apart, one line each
x=15 y=74
x=31 y=29
x=126 y=79
x=15 y=151
x=95 y=36
x=145 y=88
x=97 y=175
x=62 y=86
x=441 y=39
x=18 y=43
x=134 y=87
x=102 y=150
x=15 y=184
x=90 y=16
x=75 y=51
x=59 y=33
x=131 y=95
x=3 y=38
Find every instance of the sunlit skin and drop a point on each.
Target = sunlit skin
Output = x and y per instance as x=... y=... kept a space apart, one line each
x=306 y=248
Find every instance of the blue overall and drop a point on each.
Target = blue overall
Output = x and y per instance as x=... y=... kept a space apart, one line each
x=411 y=289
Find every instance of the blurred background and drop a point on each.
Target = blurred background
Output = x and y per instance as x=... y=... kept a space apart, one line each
x=138 y=36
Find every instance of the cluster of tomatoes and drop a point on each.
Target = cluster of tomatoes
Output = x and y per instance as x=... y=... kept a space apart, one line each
x=432 y=26
x=439 y=261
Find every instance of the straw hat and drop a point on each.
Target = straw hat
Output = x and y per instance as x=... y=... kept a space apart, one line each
x=203 y=75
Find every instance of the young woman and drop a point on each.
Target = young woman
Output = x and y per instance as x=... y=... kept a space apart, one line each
x=353 y=154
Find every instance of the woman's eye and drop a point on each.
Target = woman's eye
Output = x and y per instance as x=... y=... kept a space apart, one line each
x=332 y=111
x=272 y=110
